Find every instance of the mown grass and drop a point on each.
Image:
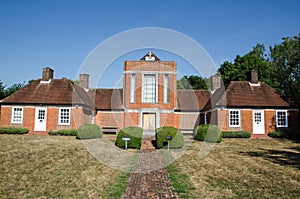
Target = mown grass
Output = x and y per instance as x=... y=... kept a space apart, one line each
x=36 y=166
x=243 y=168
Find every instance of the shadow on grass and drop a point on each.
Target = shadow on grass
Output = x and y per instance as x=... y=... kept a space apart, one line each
x=284 y=157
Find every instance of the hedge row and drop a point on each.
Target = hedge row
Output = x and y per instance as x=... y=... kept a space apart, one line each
x=134 y=133
x=65 y=132
x=277 y=134
x=236 y=134
x=176 y=141
x=13 y=130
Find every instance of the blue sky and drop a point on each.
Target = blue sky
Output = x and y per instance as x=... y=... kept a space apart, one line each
x=61 y=33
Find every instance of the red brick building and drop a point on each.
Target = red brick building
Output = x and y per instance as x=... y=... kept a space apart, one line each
x=149 y=99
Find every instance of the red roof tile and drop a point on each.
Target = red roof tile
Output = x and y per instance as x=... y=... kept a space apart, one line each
x=107 y=99
x=192 y=100
x=241 y=94
x=56 y=92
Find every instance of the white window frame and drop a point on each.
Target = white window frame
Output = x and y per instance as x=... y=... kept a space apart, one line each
x=133 y=88
x=143 y=87
x=59 y=116
x=166 y=89
x=239 y=118
x=15 y=120
x=286 y=118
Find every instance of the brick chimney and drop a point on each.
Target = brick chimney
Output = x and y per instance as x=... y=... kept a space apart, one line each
x=84 y=80
x=254 y=77
x=47 y=74
x=216 y=82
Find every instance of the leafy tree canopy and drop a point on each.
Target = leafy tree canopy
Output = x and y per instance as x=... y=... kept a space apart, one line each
x=4 y=92
x=279 y=67
x=192 y=82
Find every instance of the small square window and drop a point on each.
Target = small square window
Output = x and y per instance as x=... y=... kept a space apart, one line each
x=234 y=118
x=64 y=116
x=17 y=115
x=281 y=119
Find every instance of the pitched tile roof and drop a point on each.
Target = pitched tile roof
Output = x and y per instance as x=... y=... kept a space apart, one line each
x=107 y=99
x=192 y=100
x=55 y=92
x=242 y=94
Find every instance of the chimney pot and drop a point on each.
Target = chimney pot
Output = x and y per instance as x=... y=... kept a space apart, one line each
x=84 y=80
x=47 y=74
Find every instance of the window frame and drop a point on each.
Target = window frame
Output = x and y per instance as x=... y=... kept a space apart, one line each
x=60 y=116
x=239 y=118
x=166 y=89
x=13 y=119
x=286 y=118
x=143 y=88
x=132 y=88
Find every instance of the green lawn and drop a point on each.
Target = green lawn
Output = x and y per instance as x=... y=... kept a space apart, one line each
x=37 y=166
x=243 y=168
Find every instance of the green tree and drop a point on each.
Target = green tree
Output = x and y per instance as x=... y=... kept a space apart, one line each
x=13 y=88
x=2 y=90
x=192 y=82
x=256 y=59
x=285 y=59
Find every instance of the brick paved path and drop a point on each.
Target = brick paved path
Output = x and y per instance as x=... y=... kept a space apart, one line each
x=148 y=177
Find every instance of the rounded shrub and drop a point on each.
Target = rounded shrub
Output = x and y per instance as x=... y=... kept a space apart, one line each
x=89 y=131
x=134 y=133
x=236 y=134
x=161 y=134
x=209 y=133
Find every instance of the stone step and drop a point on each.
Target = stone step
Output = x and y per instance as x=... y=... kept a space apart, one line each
x=147 y=144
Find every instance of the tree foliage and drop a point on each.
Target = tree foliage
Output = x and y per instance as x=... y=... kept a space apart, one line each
x=192 y=82
x=4 y=92
x=279 y=67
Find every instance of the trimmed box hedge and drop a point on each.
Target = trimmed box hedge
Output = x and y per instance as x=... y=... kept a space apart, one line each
x=89 y=131
x=277 y=134
x=236 y=134
x=176 y=135
x=134 y=133
x=64 y=132
x=13 y=130
x=209 y=133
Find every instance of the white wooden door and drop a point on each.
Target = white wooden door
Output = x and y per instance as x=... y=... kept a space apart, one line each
x=40 y=119
x=258 y=122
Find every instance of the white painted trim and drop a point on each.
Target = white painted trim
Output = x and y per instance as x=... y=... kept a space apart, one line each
x=286 y=119
x=254 y=84
x=12 y=115
x=239 y=114
x=59 y=115
x=45 y=81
